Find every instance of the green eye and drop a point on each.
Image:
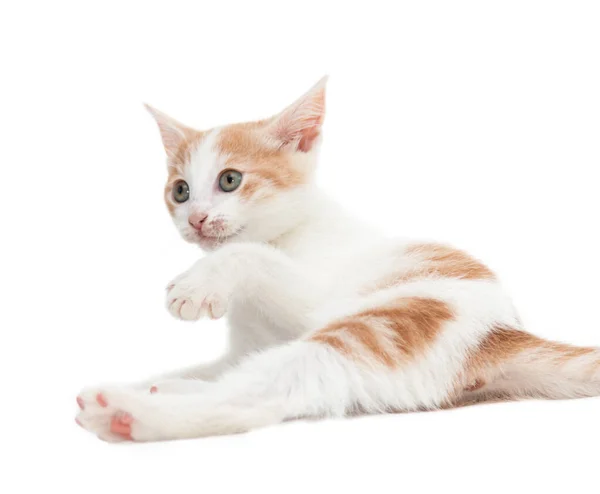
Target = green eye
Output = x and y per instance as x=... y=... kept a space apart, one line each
x=230 y=180
x=181 y=191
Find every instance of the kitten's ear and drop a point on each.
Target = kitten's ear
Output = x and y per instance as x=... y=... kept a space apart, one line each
x=173 y=133
x=299 y=125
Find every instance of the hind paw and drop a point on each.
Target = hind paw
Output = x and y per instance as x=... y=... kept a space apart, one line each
x=114 y=415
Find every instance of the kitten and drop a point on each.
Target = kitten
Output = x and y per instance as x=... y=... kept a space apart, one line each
x=327 y=317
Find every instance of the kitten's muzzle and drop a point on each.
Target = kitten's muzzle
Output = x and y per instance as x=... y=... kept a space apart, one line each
x=196 y=220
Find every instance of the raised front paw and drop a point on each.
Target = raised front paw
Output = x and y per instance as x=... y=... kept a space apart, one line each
x=198 y=293
x=189 y=297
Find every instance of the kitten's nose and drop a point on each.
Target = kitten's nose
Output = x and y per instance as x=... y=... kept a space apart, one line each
x=197 y=219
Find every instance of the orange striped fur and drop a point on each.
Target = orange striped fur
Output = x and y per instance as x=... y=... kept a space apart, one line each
x=266 y=168
x=434 y=261
x=390 y=334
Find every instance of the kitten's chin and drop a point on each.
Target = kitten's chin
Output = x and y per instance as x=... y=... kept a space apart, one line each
x=205 y=242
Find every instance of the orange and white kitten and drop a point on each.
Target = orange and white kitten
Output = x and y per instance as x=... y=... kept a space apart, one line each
x=327 y=317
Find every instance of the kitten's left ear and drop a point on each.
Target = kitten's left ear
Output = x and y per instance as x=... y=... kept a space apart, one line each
x=299 y=125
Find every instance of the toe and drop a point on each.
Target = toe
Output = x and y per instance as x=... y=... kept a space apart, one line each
x=216 y=308
x=101 y=400
x=80 y=402
x=175 y=306
x=188 y=311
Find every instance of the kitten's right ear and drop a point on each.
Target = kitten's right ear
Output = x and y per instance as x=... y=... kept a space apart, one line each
x=173 y=133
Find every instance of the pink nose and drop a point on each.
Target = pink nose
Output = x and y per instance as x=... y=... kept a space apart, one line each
x=197 y=219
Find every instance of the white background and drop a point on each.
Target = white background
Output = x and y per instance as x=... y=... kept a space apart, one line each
x=476 y=123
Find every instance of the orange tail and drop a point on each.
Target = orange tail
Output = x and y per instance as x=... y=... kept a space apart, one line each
x=511 y=364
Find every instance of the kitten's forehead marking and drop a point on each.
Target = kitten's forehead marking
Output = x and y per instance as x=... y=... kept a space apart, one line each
x=203 y=166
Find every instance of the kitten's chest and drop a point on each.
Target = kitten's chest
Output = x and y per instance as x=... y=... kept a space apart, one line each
x=251 y=326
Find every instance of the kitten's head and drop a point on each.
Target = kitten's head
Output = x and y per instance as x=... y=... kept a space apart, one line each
x=243 y=181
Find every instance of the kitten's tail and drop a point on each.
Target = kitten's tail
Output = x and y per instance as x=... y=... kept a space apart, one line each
x=517 y=365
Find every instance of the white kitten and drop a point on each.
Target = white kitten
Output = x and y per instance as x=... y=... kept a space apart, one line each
x=326 y=317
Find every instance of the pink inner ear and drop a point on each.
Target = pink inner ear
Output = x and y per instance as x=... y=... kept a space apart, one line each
x=300 y=124
x=307 y=139
x=300 y=129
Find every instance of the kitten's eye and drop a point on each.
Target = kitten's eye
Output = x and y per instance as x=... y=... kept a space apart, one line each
x=181 y=191
x=230 y=180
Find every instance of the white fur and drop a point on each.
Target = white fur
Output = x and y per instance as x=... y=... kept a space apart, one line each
x=297 y=263
x=273 y=296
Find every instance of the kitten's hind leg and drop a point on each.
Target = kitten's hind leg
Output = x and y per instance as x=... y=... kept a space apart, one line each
x=352 y=365
x=301 y=379
x=180 y=386
x=194 y=379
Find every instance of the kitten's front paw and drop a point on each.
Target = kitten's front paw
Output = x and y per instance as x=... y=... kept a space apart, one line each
x=190 y=298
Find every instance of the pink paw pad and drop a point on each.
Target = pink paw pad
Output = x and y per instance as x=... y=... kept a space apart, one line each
x=153 y=389
x=80 y=402
x=101 y=400
x=121 y=424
